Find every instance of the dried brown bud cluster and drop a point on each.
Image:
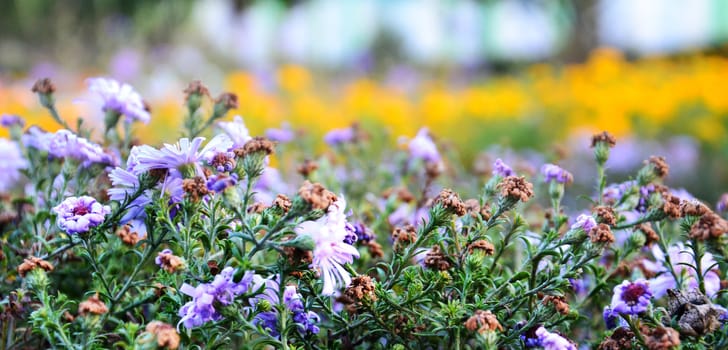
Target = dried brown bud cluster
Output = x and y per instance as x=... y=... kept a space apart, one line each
x=671 y=205
x=307 y=167
x=282 y=201
x=605 y=214
x=659 y=165
x=374 y=248
x=621 y=339
x=128 y=237
x=517 y=188
x=92 y=305
x=693 y=208
x=662 y=338
x=559 y=303
x=710 y=225
x=361 y=289
x=196 y=88
x=228 y=100
x=483 y=246
x=451 y=202
x=402 y=193
x=316 y=195
x=604 y=137
x=601 y=234
x=257 y=208
x=32 y=263
x=483 y=321
x=437 y=260
x=44 y=86
x=165 y=334
x=650 y=235
x=255 y=145
x=169 y=261
x=404 y=236
x=196 y=188
x=223 y=161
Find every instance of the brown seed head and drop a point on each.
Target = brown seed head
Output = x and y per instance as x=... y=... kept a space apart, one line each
x=375 y=249
x=404 y=236
x=601 y=234
x=659 y=165
x=603 y=137
x=483 y=321
x=307 y=167
x=710 y=225
x=437 y=260
x=128 y=237
x=361 y=289
x=517 y=188
x=196 y=88
x=671 y=205
x=282 y=201
x=170 y=262
x=621 y=339
x=451 y=201
x=196 y=188
x=257 y=207
x=255 y=145
x=650 y=234
x=228 y=100
x=483 y=246
x=559 y=303
x=92 y=305
x=166 y=335
x=31 y=263
x=662 y=338
x=44 y=86
x=316 y=195
x=605 y=214
x=694 y=208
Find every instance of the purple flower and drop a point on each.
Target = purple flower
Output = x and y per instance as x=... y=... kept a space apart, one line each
x=158 y=259
x=611 y=319
x=422 y=147
x=502 y=169
x=183 y=157
x=292 y=300
x=221 y=291
x=8 y=120
x=124 y=185
x=79 y=214
x=722 y=204
x=282 y=135
x=615 y=192
x=11 y=162
x=36 y=138
x=220 y=182
x=339 y=136
x=553 y=341
x=585 y=222
x=331 y=253
x=120 y=98
x=681 y=258
x=552 y=172
x=65 y=144
x=631 y=298
x=236 y=131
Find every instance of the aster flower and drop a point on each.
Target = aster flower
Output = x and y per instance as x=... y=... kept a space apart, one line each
x=553 y=341
x=66 y=144
x=11 y=162
x=221 y=291
x=552 y=172
x=330 y=252
x=220 y=182
x=631 y=298
x=293 y=302
x=282 y=135
x=681 y=258
x=120 y=98
x=422 y=147
x=124 y=185
x=339 y=136
x=585 y=222
x=502 y=169
x=236 y=131
x=183 y=157
x=9 y=120
x=80 y=214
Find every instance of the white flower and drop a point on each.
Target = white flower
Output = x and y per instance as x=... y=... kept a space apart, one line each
x=236 y=130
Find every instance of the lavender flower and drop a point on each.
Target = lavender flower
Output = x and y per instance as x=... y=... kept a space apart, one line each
x=631 y=298
x=9 y=120
x=553 y=172
x=585 y=222
x=614 y=192
x=722 y=204
x=339 y=136
x=221 y=291
x=236 y=131
x=330 y=252
x=292 y=300
x=80 y=214
x=553 y=341
x=65 y=144
x=220 y=182
x=422 y=147
x=282 y=135
x=681 y=258
x=183 y=157
x=120 y=98
x=502 y=169
x=11 y=162
x=124 y=185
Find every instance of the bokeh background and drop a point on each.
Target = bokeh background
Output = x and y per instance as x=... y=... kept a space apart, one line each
x=525 y=80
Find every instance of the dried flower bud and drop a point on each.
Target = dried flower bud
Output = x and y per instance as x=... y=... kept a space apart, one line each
x=621 y=339
x=605 y=215
x=601 y=234
x=32 y=263
x=213 y=267
x=693 y=208
x=481 y=245
x=196 y=188
x=168 y=261
x=437 y=260
x=434 y=169
x=194 y=93
x=483 y=321
x=650 y=235
x=165 y=334
x=605 y=138
x=316 y=195
x=451 y=202
x=282 y=201
x=404 y=236
x=44 y=86
x=224 y=103
x=256 y=145
x=307 y=167
x=662 y=338
x=559 y=303
x=297 y=256
x=361 y=289
x=659 y=165
x=375 y=249
x=257 y=208
x=710 y=225
x=92 y=305
x=517 y=188
x=128 y=237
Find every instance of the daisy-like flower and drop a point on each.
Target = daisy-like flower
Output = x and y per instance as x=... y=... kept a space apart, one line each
x=221 y=291
x=553 y=341
x=124 y=185
x=502 y=169
x=120 y=98
x=422 y=147
x=80 y=214
x=631 y=298
x=236 y=131
x=330 y=252
x=183 y=157
x=11 y=162
x=552 y=172
x=681 y=258
x=66 y=144
x=585 y=222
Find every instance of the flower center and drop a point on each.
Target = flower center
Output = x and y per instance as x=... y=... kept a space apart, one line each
x=633 y=292
x=80 y=210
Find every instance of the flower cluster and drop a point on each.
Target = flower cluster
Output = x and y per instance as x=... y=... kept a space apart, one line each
x=207 y=298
